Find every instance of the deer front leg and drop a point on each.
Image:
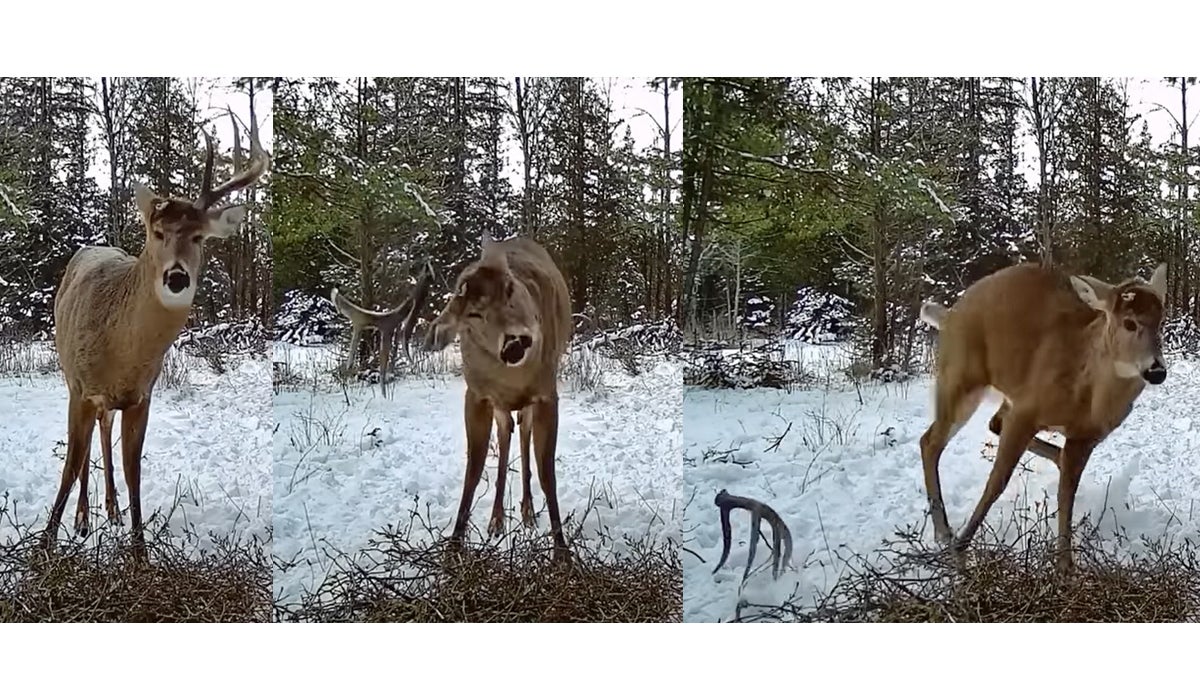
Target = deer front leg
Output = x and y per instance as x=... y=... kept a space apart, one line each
x=386 y=338
x=525 y=419
x=1075 y=454
x=133 y=435
x=81 y=418
x=504 y=428
x=1037 y=446
x=355 y=337
x=477 y=412
x=111 y=505
x=545 y=440
x=1018 y=430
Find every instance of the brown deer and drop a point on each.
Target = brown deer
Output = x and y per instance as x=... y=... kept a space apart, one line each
x=512 y=314
x=116 y=315
x=384 y=323
x=1069 y=354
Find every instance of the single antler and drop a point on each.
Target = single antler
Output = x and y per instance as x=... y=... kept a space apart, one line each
x=418 y=303
x=259 y=160
x=758 y=512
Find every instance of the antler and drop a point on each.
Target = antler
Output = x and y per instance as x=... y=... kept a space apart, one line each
x=418 y=302
x=758 y=511
x=259 y=160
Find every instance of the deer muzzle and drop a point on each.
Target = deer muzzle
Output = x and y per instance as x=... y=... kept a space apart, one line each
x=514 y=347
x=1156 y=373
x=176 y=279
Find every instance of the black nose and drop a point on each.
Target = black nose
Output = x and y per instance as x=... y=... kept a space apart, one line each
x=1157 y=374
x=177 y=279
x=514 y=348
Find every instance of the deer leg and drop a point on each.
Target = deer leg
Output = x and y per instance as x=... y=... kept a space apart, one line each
x=525 y=419
x=1018 y=429
x=352 y=356
x=83 y=505
x=1075 y=454
x=952 y=410
x=478 y=415
x=504 y=428
x=81 y=417
x=545 y=440
x=133 y=436
x=110 y=485
x=1037 y=446
x=386 y=337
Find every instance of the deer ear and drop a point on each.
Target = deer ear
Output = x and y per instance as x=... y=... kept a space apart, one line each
x=146 y=200
x=224 y=223
x=1158 y=281
x=1092 y=291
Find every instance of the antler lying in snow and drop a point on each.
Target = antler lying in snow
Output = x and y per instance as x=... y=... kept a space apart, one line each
x=758 y=511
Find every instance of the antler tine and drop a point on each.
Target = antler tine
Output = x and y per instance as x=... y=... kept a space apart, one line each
x=237 y=141
x=259 y=160
x=205 y=198
x=418 y=302
x=781 y=553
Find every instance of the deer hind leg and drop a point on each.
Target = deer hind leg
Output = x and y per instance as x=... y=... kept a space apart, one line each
x=83 y=520
x=1075 y=454
x=81 y=420
x=478 y=416
x=133 y=436
x=504 y=428
x=1037 y=446
x=525 y=420
x=111 y=505
x=545 y=441
x=953 y=407
x=1014 y=438
x=352 y=356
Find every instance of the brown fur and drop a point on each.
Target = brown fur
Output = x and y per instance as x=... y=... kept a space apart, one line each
x=515 y=287
x=384 y=323
x=112 y=329
x=1027 y=332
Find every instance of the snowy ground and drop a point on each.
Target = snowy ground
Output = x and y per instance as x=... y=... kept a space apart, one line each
x=848 y=472
x=349 y=462
x=205 y=462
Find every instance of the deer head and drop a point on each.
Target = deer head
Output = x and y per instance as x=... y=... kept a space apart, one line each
x=492 y=309
x=177 y=228
x=1133 y=313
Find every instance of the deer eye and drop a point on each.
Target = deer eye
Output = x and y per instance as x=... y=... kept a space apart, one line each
x=1130 y=325
x=158 y=234
x=197 y=239
x=508 y=289
x=474 y=314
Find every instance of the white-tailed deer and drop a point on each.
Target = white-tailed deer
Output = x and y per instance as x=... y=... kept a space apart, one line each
x=512 y=314
x=116 y=315
x=385 y=323
x=1069 y=354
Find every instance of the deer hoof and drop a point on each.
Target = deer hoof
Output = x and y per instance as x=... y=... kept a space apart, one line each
x=496 y=526
x=114 y=514
x=82 y=528
x=528 y=519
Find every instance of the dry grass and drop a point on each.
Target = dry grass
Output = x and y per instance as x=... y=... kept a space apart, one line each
x=1008 y=579
x=99 y=580
x=509 y=580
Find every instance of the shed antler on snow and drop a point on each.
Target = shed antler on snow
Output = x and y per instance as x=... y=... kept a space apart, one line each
x=758 y=512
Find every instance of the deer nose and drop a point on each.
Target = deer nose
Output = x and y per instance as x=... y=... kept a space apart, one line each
x=512 y=350
x=177 y=279
x=1157 y=374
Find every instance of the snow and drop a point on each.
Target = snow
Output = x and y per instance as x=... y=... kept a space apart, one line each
x=349 y=463
x=849 y=474
x=205 y=460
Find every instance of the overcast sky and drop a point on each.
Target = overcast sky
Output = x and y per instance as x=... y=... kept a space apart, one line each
x=634 y=101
